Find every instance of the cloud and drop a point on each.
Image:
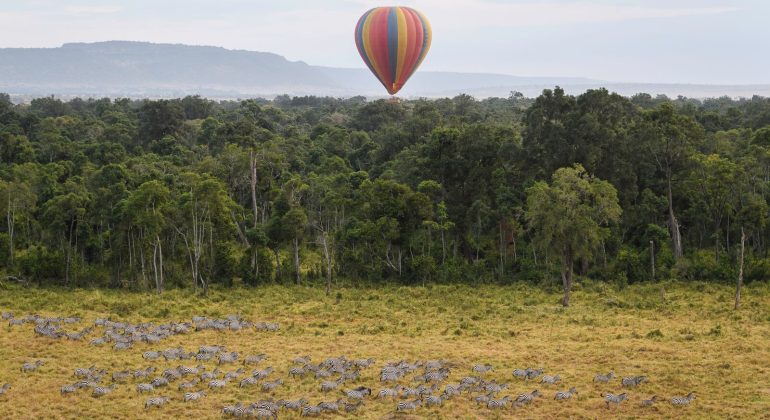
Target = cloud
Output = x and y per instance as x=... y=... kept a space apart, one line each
x=92 y=10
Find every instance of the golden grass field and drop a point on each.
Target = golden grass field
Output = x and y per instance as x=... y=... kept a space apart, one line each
x=684 y=337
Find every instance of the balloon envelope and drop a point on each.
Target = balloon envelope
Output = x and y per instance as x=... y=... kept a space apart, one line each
x=393 y=41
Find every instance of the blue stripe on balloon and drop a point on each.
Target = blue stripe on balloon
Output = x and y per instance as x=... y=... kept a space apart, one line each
x=393 y=42
x=360 y=40
x=424 y=28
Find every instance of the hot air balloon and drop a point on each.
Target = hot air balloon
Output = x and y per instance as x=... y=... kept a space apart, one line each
x=393 y=41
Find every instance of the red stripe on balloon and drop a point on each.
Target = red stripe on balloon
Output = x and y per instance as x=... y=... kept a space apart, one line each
x=379 y=37
x=415 y=42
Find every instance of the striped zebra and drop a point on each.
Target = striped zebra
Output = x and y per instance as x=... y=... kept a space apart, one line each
x=271 y=386
x=408 y=405
x=631 y=381
x=614 y=399
x=141 y=388
x=604 y=378
x=550 y=380
x=297 y=371
x=207 y=376
x=527 y=398
x=432 y=400
x=159 y=382
x=469 y=380
x=493 y=404
x=254 y=359
x=483 y=399
x=301 y=360
x=144 y=373
x=327 y=386
x=227 y=357
x=233 y=375
x=194 y=396
x=217 y=384
x=247 y=381
x=363 y=363
x=295 y=405
x=82 y=373
x=99 y=341
x=230 y=409
x=565 y=395
x=453 y=389
x=683 y=401
x=101 y=391
x=534 y=373
x=151 y=355
x=86 y=384
x=262 y=374
x=67 y=389
x=187 y=370
x=203 y=357
x=483 y=368
x=121 y=376
x=156 y=402
x=358 y=394
x=650 y=402
x=389 y=392
x=263 y=413
x=188 y=385
x=351 y=407
x=311 y=411
x=7 y=315
x=32 y=366
x=331 y=407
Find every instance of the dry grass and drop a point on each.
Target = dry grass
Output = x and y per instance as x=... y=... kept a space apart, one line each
x=684 y=339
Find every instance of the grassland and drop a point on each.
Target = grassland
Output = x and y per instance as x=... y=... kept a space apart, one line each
x=684 y=337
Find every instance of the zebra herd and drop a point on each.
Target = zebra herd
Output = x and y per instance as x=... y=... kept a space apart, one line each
x=408 y=385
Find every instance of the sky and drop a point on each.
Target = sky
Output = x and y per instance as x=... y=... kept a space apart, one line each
x=652 y=41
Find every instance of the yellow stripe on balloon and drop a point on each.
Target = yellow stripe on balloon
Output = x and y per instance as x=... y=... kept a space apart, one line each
x=429 y=36
x=368 y=43
x=402 y=45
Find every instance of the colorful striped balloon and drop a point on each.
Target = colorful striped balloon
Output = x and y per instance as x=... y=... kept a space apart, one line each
x=393 y=41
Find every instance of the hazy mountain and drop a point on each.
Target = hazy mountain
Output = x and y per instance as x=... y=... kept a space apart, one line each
x=121 y=68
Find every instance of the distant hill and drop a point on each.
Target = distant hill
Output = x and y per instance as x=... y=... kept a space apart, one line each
x=123 y=68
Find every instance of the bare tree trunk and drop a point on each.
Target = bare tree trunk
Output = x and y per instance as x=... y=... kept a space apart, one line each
x=652 y=258
x=328 y=258
x=160 y=260
x=155 y=266
x=740 y=272
x=253 y=167
x=566 y=277
x=673 y=223
x=295 y=243
x=10 y=218
x=443 y=246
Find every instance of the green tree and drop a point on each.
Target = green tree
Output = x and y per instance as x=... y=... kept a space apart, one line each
x=570 y=216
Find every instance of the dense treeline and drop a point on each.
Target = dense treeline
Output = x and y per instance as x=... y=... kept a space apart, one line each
x=152 y=194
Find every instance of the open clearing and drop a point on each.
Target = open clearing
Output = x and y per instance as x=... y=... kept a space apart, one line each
x=683 y=336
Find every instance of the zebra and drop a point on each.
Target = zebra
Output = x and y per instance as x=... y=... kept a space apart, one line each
x=363 y=363
x=651 y=401
x=227 y=357
x=297 y=371
x=389 y=392
x=521 y=373
x=67 y=389
x=604 y=378
x=263 y=413
x=156 y=402
x=101 y=391
x=13 y=322
x=99 y=341
x=254 y=359
x=203 y=357
x=207 y=376
x=534 y=373
x=332 y=407
x=469 y=380
x=327 y=386
x=210 y=349
x=247 y=381
x=122 y=345
x=141 y=374
x=82 y=373
x=262 y=374
x=188 y=385
x=86 y=384
x=295 y=405
x=614 y=399
x=683 y=401
x=408 y=405
x=32 y=366
x=120 y=376
x=311 y=410
x=217 y=384
x=483 y=368
x=565 y=395
x=547 y=379
x=301 y=360
x=194 y=396
x=358 y=393
x=631 y=381
x=230 y=409
x=145 y=388
x=151 y=355
x=7 y=315
x=436 y=376
x=501 y=403
x=159 y=381
x=186 y=370
x=453 y=389
x=349 y=408
x=271 y=386
x=494 y=387
x=527 y=397
x=432 y=400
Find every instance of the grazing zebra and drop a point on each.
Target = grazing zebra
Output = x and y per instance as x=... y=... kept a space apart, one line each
x=271 y=386
x=311 y=411
x=651 y=401
x=13 y=322
x=227 y=357
x=217 y=384
x=247 y=381
x=188 y=385
x=67 y=389
x=631 y=381
x=565 y=395
x=604 y=378
x=101 y=391
x=389 y=392
x=31 y=366
x=151 y=355
x=683 y=401
x=358 y=393
x=159 y=382
x=156 y=402
x=363 y=363
x=297 y=371
x=483 y=368
x=614 y=399
x=331 y=407
x=7 y=315
x=81 y=373
x=432 y=400
x=120 y=376
x=194 y=396
x=527 y=397
x=254 y=359
x=408 y=405
x=349 y=408
x=295 y=405
x=145 y=388
x=501 y=403
x=547 y=379
x=4 y=388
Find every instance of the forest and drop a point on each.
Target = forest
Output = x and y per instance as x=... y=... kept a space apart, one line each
x=190 y=192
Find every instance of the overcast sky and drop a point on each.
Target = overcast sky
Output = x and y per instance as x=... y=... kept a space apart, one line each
x=687 y=41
